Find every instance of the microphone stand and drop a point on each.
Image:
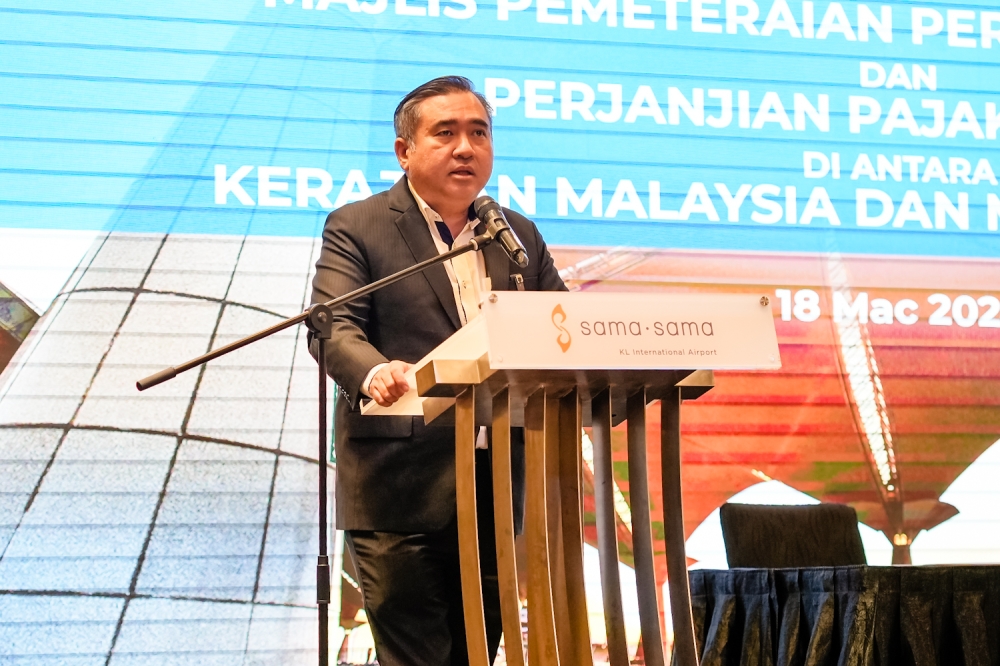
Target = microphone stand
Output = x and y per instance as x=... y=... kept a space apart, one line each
x=319 y=320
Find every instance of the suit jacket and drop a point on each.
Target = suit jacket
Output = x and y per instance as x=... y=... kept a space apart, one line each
x=397 y=474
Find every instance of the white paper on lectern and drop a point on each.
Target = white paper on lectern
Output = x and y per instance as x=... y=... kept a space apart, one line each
x=468 y=343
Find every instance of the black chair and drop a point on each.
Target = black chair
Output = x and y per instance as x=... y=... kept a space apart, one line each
x=774 y=537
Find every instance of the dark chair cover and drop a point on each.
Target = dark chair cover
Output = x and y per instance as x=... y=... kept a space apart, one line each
x=817 y=535
x=848 y=616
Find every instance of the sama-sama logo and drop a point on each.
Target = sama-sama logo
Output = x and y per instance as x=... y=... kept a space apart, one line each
x=558 y=319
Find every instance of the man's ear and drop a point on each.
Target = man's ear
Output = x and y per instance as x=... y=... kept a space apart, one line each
x=402 y=147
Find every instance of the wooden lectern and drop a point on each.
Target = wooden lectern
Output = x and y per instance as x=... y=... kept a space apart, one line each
x=554 y=363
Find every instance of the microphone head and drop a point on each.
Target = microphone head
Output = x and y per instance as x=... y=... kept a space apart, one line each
x=490 y=212
x=484 y=205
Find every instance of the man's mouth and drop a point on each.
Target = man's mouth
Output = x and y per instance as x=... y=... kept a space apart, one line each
x=463 y=171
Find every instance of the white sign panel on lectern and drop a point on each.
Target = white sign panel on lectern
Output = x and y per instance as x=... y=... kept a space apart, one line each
x=604 y=330
x=591 y=331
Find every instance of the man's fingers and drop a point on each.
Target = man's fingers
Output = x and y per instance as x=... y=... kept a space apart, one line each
x=399 y=384
x=389 y=383
x=381 y=396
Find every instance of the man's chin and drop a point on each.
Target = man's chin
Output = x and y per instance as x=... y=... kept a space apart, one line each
x=465 y=192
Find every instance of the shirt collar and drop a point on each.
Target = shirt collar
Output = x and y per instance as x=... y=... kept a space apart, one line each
x=431 y=215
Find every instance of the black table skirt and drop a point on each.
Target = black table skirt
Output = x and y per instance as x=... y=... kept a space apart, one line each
x=842 y=616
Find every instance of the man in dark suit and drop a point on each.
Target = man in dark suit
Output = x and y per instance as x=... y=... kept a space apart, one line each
x=396 y=475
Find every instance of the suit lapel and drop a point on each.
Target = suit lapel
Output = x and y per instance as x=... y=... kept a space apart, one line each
x=413 y=227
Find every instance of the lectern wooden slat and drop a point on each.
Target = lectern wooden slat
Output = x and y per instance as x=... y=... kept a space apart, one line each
x=503 y=503
x=642 y=530
x=571 y=489
x=558 y=630
x=542 y=647
x=685 y=649
x=607 y=529
x=465 y=496
x=498 y=375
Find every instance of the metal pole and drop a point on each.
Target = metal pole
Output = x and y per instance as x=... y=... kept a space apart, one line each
x=320 y=322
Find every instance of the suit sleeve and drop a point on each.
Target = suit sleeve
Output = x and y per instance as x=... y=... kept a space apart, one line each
x=341 y=268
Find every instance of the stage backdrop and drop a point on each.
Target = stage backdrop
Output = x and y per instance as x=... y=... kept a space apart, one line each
x=167 y=167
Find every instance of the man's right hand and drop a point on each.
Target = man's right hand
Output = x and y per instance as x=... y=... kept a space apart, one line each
x=389 y=384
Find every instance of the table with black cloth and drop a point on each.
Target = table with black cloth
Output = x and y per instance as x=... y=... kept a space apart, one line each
x=854 y=615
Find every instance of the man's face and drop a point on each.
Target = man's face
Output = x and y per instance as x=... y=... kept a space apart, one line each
x=451 y=156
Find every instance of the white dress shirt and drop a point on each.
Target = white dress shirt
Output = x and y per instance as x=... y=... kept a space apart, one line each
x=467 y=274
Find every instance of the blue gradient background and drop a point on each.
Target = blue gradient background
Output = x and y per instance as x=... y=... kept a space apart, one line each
x=113 y=115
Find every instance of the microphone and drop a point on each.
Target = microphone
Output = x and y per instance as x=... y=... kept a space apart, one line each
x=491 y=214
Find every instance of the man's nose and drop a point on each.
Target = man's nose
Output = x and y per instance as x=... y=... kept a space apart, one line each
x=464 y=146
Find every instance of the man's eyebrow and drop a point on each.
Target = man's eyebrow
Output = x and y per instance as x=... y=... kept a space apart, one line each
x=454 y=121
x=442 y=123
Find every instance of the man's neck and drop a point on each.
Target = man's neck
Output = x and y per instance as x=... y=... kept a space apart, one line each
x=454 y=219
